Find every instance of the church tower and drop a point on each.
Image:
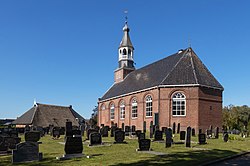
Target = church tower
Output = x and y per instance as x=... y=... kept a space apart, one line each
x=126 y=56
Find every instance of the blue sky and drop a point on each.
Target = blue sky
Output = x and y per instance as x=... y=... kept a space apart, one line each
x=65 y=52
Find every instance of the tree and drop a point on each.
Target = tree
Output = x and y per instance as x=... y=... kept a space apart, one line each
x=93 y=119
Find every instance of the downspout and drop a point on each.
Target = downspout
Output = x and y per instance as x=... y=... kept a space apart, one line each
x=159 y=105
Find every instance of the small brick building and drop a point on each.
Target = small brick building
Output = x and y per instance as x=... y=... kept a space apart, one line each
x=178 y=88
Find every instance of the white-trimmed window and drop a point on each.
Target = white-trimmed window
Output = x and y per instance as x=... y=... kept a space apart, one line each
x=134 y=108
x=112 y=111
x=179 y=104
x=103 y=107
x=149 y=106
x=122 y=110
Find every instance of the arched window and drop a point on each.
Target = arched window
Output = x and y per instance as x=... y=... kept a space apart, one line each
x=103 y=107
x=112 y=111
x=134 y=108
x=122 y=110
x=179 y=104
x=124 y=52
x=149 y=106
x=129 y=53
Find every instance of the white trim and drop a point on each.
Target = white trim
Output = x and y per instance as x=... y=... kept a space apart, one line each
x=160 y=86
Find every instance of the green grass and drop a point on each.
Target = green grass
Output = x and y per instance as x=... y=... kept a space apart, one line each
x=125 y=154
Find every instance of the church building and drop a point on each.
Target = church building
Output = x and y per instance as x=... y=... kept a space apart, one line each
x=176 y=89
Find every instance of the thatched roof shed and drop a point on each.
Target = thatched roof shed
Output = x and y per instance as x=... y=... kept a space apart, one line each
x=44 y=115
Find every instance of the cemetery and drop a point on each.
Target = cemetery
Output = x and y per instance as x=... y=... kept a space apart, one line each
x=128 y=146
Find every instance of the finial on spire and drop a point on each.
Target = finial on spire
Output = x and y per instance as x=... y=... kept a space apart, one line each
x=189 y=42
x=126 y=16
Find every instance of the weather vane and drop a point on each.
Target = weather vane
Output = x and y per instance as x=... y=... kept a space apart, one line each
x=126 y=15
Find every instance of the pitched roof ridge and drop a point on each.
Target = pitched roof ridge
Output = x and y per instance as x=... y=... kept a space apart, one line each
x=184 y=53
x=192 y=63
x=52 y=105
x=32 y=119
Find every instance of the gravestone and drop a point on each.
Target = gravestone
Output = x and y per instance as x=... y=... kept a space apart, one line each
x=127 y=130
x=69 y=129
x=11 y=142
x=95 y=139
x=193 y=132
x=144 y=126
x=200 y=131
x=174 y=125
x=82 y=128
x=32 y=136
x=164 y=129
x=56 y=132
x=26 y=152
x=158 y=135
x=133 y=128
x=182 y=135
x=137 y=133
x=225 y=136
x=3 y=144
x=202 y=138
x=211 y=128
x=188 y=137
x=216 y=134
x=112 y=133
x=157 y=127
x=40 y=129
x=209 y=133
x=151 y=132
x=105 y=131
x=144 y=144
x=119 y=136
x=73 y=145
x=168 y=137
x=123 y=127
x=89 y=131
x=141 y=136
x=62 y=131
x=178 y=128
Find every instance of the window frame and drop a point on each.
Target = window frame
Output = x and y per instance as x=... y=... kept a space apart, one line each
x=149 y=106
x=179 y=105
x=112 y=111
x=134 y=109
x=122 y=110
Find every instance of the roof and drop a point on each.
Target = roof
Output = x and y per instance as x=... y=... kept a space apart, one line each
x=183 y=68
x=45 y=115
x=126 y=42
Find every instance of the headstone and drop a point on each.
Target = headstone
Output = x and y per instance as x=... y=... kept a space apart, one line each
x=137 y=133
x=95 y=139
x=168 y=137
x=174 y=126
x=73 y=145
x=193 y=132
x=158 y=135
x=200 y=131
x=105 y=131
x=123 y=127
x=209 y=133
x=141 y=136
x=3 y=144
x=32 y=136
x=188 y=137
x=178 y=128
x=11 y=142
x=225 y=136
x=151 y=132
x=89 y=131
x=157 y=127
x=144 y=126
x=182 y=135
x=112 y=133
x=62 y=131
x=26 y=152
x=127 y=130
x=56 y=132
x=40 y=129
x=82 y=128
x=202 y=138
x=144 y=144
x=216 y=135
x=164 y=129
x=211 y=128
x=69 y=129
x=119 y=136
x=133 y=128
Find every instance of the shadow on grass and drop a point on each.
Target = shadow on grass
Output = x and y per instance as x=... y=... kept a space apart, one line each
x=183 y=158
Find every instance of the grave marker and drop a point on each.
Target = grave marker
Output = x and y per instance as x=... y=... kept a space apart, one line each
x=95 y=139
x=144 y=144
x=158 y=135
x=188 y=137
x=202 y=138
x=174 y=125
x=216 y=134
x=119 y=136
x=32 y=136
x=168 y=137
x=193 y=132
x=182 y=135
x=178 y=128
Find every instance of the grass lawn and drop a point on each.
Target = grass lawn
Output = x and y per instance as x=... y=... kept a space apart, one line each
x=125 y=154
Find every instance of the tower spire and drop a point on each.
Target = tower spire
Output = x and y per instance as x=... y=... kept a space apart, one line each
x=126 y=55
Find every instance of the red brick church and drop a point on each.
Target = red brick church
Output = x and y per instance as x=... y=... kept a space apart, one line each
x=178 y=88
